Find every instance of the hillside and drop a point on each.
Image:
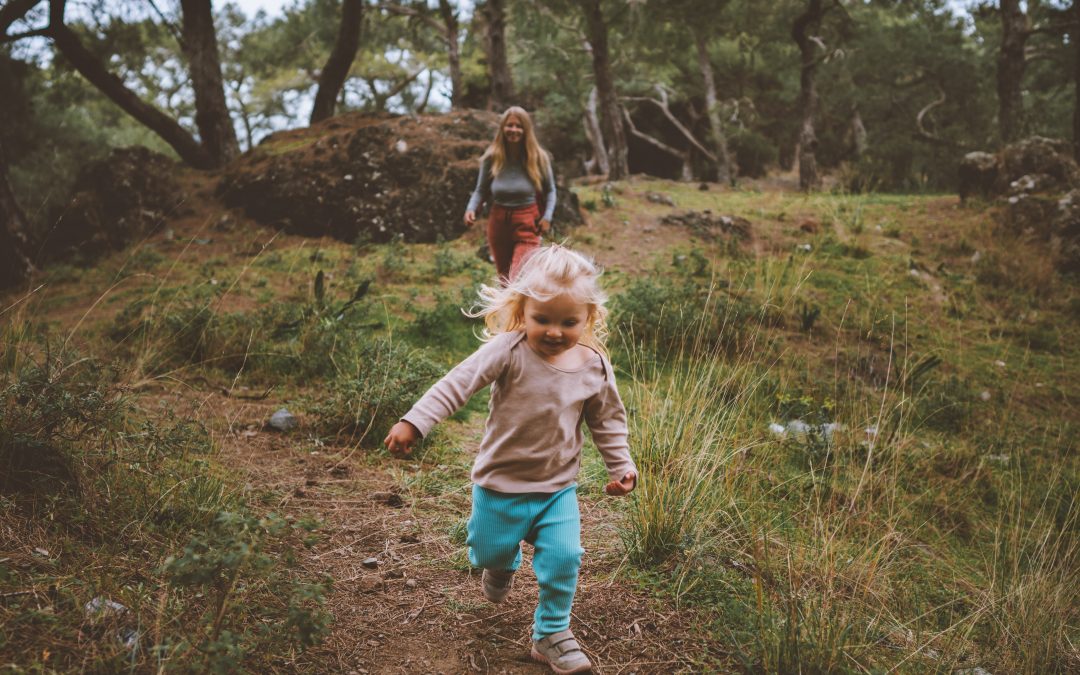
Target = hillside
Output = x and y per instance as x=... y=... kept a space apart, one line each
x=854 y=414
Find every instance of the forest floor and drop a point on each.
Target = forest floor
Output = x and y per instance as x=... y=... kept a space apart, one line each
x=390 y=531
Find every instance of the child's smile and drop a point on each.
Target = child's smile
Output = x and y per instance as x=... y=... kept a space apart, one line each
x=553 y=327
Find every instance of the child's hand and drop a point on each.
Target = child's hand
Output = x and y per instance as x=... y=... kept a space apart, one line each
x=401 y=438
x=618 y=488
x=543 y=226
x=470 y=218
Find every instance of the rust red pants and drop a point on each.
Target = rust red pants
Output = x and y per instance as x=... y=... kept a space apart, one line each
x=512 y=235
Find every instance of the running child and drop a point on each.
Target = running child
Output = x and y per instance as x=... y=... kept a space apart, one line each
x=545 y=360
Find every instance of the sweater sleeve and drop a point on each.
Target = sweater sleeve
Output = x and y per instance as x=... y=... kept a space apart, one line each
x=605 y=416
x=550 y=193
x=483 y=186
x=447 y=395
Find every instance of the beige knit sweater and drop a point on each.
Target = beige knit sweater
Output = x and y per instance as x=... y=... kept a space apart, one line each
x=532 y=440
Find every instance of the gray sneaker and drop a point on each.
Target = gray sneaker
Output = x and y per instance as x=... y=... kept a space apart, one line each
x=497 y=584
x=562 y=652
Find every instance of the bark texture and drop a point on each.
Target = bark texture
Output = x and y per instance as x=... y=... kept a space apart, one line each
x=15 y=265
x=211 y=112
x=725 y=172
x=502 y=83
x=336 y=71
x=599 y=162
x=802 y=31
x=596 y=33
x=453 y=52
x=1010 y=70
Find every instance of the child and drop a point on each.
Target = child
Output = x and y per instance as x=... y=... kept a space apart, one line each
x=545 y=361
x=514 y=172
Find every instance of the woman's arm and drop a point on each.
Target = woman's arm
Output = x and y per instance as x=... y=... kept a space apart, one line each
x=550 y=194
x=480 y=193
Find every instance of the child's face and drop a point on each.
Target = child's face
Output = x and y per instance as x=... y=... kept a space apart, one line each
x=554 y=326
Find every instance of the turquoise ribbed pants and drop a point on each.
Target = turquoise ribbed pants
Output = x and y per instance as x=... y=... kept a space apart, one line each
x=552 y=524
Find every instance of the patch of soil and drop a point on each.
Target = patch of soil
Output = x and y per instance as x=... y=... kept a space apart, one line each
x=418 y=608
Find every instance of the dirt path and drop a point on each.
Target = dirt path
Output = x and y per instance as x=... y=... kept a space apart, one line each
x=419 y=609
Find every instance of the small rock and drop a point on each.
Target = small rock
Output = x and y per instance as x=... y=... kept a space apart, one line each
x=370 y=584
x=984 y=395
x=999 y=364
x=389 y=498
x=168 y=234
x=101 y=607
x=659 y=198
x=410 y=583
x=798 y=427
x=370 y=563
x=777 y=430
x=976 y=257
x=805 y=247
x=283 y=420
x=401 y=146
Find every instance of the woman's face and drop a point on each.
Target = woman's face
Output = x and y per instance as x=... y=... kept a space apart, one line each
x=513 y=129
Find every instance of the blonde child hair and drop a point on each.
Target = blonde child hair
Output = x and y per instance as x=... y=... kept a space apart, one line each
x=551 y=271
x=535 y=160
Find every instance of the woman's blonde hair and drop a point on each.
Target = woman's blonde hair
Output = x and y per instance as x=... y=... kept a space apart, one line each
x=535 y=161
x=549 y=272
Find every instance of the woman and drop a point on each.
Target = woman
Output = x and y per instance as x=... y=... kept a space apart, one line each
x=514 y=172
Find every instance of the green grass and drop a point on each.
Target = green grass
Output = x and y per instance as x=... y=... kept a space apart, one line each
x=946 y=540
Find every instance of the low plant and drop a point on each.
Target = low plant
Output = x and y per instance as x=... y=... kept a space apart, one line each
x=371 y=392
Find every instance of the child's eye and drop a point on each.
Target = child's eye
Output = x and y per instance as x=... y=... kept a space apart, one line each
x=570 y=323
x=540 y=320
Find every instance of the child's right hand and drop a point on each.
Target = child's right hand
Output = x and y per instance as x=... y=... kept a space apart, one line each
x=401 y=438
x=470 y=218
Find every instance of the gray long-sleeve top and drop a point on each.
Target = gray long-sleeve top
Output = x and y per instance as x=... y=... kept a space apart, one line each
x=512 y=188
x=532 y=440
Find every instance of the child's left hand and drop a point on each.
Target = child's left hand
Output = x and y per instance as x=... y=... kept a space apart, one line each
x=618 y=488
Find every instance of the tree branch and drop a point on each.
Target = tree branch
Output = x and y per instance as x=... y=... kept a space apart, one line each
x=663 y=105
x=13 y=11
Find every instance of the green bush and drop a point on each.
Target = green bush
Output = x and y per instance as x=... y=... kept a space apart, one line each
x=380 y=385
x=754 y=153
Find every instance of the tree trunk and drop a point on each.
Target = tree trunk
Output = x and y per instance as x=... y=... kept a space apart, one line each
x=88 y=65
x=502 y=84
x=453 y=53
x=610 y=112
x=599 y=162
x=211 y=112
x=724 y=172
x=1010 y=70
x=809 y=20
x=858 y=133
x=336 y=71
x=15 y=265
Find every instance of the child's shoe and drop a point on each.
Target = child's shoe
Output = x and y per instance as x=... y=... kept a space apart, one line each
x=562 y=652
x=497 y=584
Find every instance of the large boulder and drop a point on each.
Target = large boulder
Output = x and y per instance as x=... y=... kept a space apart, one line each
x=369 y=177
x=1041 y=158
x=116 y=201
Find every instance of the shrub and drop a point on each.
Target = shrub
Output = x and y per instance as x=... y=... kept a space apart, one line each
x=754 y=153
x=375 y=390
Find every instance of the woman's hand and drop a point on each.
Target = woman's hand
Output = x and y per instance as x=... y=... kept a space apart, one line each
x=401 y=438
x=470 y=218
x=543 y=226
x=618 y=488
